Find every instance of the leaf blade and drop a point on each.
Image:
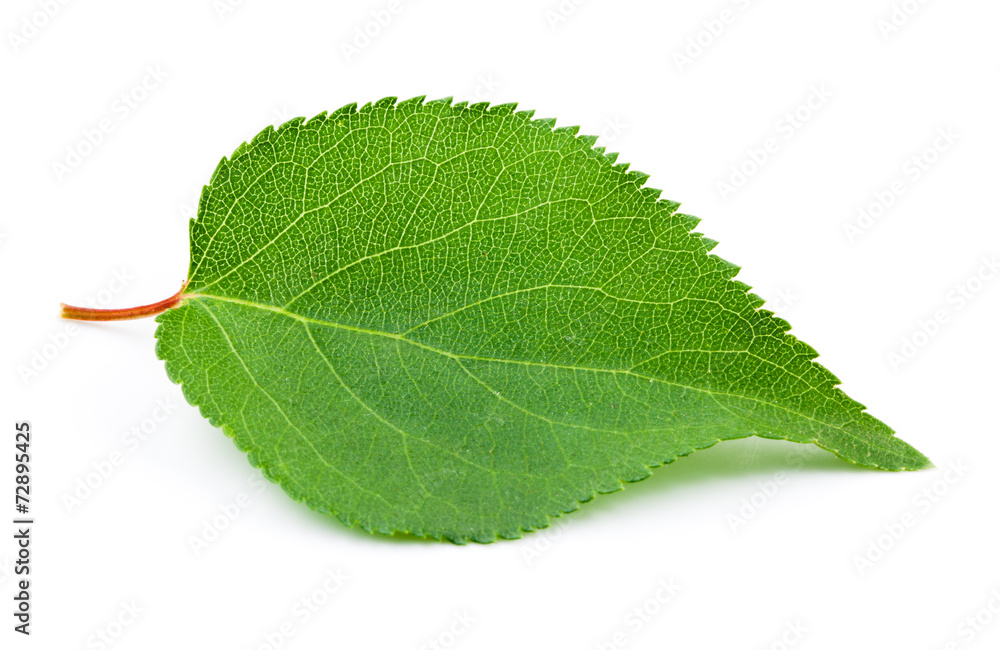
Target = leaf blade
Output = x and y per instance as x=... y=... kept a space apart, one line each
x=504 y=321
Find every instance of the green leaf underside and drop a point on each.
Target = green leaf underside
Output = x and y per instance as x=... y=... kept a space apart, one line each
x=458 y=322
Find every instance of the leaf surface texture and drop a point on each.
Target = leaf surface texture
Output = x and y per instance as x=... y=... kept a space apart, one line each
x=458 y=322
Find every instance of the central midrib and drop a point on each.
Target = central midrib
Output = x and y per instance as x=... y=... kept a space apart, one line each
x=452 y=355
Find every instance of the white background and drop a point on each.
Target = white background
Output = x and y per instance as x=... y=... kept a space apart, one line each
x=793 y=568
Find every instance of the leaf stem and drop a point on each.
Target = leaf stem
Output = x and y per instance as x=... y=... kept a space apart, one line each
x=129 y=313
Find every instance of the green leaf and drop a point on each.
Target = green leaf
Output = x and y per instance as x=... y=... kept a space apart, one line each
x=459 y=322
